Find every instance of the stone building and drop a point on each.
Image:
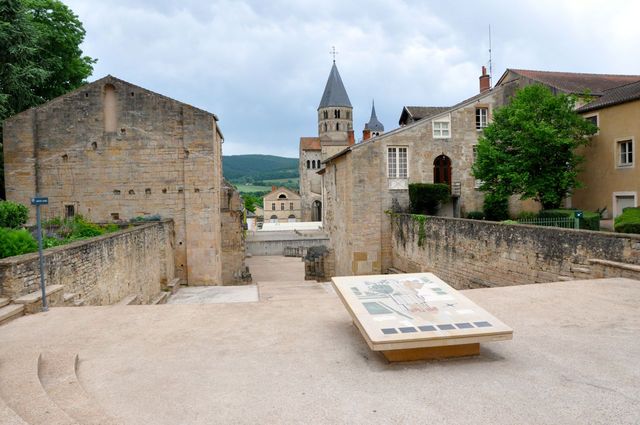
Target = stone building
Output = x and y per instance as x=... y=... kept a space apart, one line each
x=112 y=151
x=232 y=217
x=282 y=205
x=335 y=132
x=365 y=181
x=611 y=177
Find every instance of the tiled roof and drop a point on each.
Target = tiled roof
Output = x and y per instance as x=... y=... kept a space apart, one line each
x=578 y=83
x=614 y=96
x=420 y=112
x=334 y=92
x=310 y=143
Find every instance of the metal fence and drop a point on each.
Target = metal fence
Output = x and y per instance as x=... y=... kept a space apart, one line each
x=565 y=222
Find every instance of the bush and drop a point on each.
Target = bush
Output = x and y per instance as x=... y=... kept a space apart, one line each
x=495 y=207
x=475 y=215
x=628 y=221
x=13 y=214
x=146 y=218
x=527 y=215
x=84 y=229
x=16 y=242
x=426 y=197
x=589 y=221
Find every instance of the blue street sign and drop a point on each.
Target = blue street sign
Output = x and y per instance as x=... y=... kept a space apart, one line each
x=39 y=201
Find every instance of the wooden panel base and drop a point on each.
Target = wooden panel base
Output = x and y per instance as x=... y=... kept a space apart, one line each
x=429 y=353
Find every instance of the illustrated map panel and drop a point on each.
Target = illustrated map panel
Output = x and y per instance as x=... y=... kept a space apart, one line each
x=403 y=307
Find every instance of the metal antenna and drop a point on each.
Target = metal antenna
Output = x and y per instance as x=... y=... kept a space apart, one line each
x=490 y=61
x=333 y=52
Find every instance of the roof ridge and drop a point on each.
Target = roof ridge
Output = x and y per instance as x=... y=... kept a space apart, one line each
x=574 y=73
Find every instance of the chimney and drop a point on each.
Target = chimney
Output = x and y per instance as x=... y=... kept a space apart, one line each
x=366 y=134
x=485 y=80
x=352 y=140
x=273 y=188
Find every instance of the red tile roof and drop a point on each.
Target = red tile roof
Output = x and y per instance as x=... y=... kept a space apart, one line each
x=310 y=143
x=615 y=96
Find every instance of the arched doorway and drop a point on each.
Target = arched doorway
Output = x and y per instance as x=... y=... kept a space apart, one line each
x=442 y=170
x=292 y=218
x=316 y=211
x=274 y=219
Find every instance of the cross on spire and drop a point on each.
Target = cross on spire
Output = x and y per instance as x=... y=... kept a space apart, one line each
x=333 y=53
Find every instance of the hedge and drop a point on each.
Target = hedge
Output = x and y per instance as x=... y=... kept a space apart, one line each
x=16 y=242
x=426 y=197
x=13 y=214
x=589 y=221
x=628 y=221
x=495 y=207
x=475 y=215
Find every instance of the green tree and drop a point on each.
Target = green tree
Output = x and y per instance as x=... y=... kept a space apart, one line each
x=40 y=56
x=530 y=147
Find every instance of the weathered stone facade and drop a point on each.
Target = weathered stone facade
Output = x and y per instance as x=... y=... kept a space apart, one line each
x=281 y=205
x=473 y=254
x=359 y=189
x=101 y=270
x=232 y=216
x=112 y=151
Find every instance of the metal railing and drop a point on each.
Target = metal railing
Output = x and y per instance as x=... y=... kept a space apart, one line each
x=565 y=222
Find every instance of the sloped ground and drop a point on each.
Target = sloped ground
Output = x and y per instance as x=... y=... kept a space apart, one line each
x=289 y=359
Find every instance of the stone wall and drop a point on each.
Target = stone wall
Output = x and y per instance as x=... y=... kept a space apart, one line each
x=101 y=270
x=112 y=151
x=234 y=270
x=472 y=253
x=274 y=243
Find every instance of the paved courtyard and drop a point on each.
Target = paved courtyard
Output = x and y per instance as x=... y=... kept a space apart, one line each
x=295 y=357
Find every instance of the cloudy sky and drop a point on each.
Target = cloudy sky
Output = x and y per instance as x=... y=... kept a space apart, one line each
x=261 y=65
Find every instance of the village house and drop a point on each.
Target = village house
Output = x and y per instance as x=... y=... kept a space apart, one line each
x=112 y=151
x=611 y=177
x=373 y=176
x=281 y=205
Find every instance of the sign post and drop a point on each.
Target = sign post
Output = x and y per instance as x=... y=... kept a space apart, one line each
x=37 y=201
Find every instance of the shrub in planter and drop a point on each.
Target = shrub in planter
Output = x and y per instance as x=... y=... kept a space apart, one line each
x=13 y=214
x=475 y=215
x=628 y=221
x=495 y=207
x=427 y=197
x=16 y=242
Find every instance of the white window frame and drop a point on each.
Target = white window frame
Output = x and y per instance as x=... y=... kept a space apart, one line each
x=486 y=118
x=597 y=115
x=437 y=133
x=396 y=166
x=614 y=204
x=617 y=152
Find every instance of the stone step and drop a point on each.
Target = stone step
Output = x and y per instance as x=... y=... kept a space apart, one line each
x=69 y=298
x=58 y=374
x=78 y=303
x=22 y=392
x=161 y=298
x=8 y=416
x=10 y=312
x=4 y=301
x=174 y=285
x=33 y=302
x=615 y=264
x=129 y=300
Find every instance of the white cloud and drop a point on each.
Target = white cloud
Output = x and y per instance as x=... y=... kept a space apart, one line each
x=261 y=66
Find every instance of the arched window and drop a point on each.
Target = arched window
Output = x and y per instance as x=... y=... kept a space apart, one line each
x=325 y=114
x=337 y=126
x=316 y=211
x=282 y=196
x=308 y=163
x=336 y=113
x=109 y=108
x=442 y=170
x=325 y=127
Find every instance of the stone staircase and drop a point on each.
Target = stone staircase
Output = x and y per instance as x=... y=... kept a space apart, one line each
x=30 y=303
x=43 y=388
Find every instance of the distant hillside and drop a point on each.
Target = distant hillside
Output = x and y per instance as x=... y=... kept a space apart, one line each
x=251 y=168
